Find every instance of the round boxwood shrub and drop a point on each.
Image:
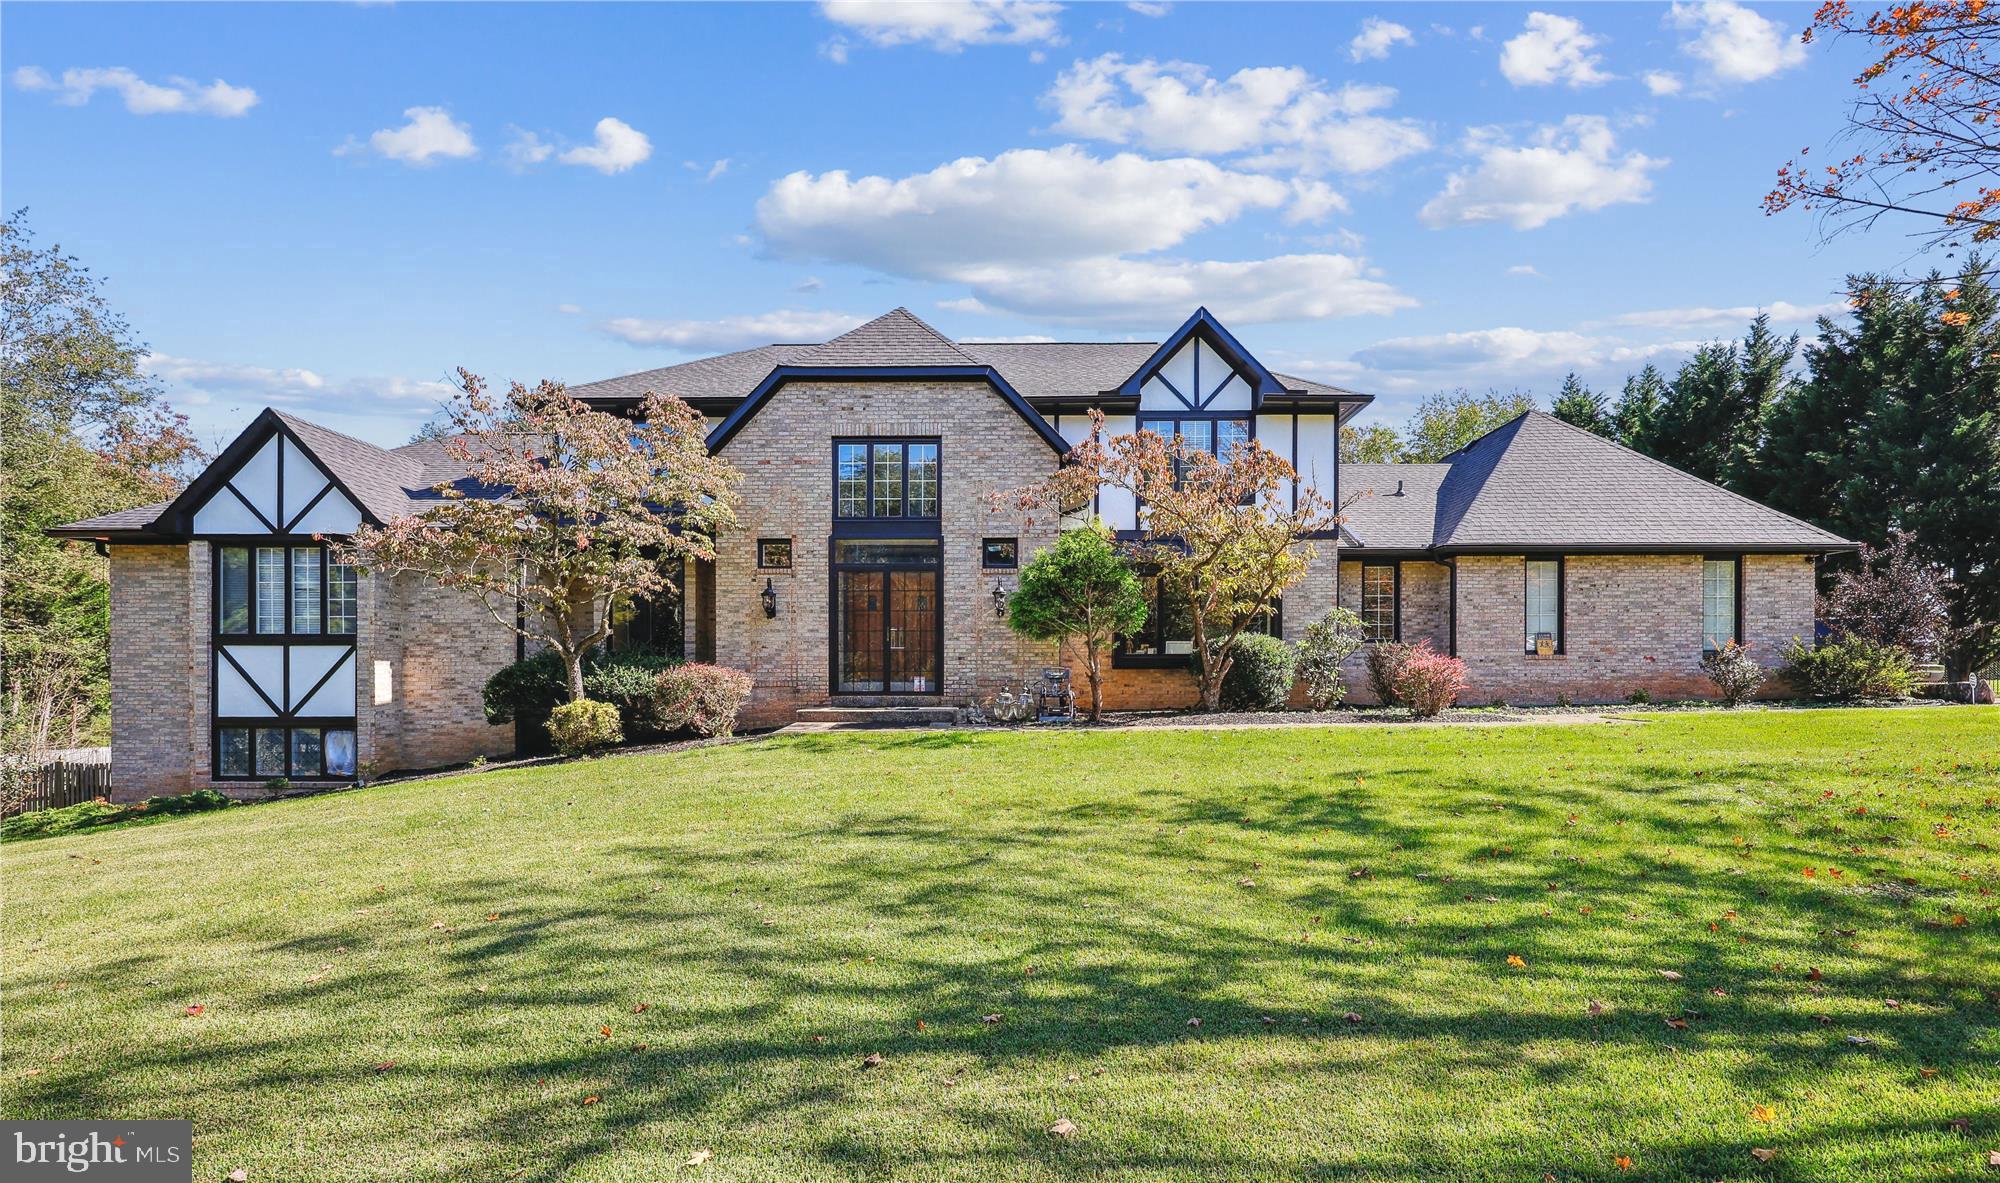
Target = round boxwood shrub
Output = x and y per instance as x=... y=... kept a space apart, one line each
x=702 y=698
x=1260 y=674
x=584 y=726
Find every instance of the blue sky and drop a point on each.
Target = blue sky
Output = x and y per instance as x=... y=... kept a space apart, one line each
x=328 y=207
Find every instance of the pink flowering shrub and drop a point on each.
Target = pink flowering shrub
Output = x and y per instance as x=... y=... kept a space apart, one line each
x=1428 y=681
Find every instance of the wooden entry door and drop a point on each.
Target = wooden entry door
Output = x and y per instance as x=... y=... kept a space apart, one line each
x=887 y=627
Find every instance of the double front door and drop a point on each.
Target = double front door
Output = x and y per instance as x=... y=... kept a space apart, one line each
x=887 y=627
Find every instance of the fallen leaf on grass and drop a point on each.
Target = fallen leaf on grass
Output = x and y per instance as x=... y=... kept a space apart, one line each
x=1194 y=1022
x=1959 y=1125
x=1063 y=1128
x=1993 y=1158
x=1860 y=1041
x=1892 y=1004
x=1624 y=1162
x=1761 y=1154
x=1351 y=1017
x=1813 y=974
x=699 y=1157
x=1672 y=975
x=196 y=1009
x=239 y=1175
x=32 y=1072
x=385 y=1065
x=1516 y=960
x=1927 y=1073
x=605 y=1032
x=872 y=1060
x=1595 y=1008
x=1678 y=1024
x=640 y=1008
x=1763 y=1113
x=490 y=916
x=591 y=1099
x=993 y=1018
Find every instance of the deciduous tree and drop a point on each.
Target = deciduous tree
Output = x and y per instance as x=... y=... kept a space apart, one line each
x=1451 y=419
x=1216 y=531
x=576 y=508
x=1083 y=594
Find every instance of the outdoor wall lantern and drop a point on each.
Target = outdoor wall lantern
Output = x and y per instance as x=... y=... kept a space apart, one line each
x=1000 y=599
x=770 y=598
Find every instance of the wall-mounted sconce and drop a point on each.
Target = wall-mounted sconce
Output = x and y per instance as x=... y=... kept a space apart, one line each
x=1000 y=599
x=770 y=598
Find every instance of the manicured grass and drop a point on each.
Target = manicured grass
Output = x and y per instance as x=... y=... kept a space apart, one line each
x=414 y=982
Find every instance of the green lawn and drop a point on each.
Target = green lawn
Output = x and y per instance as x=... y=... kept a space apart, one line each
x=413 y=981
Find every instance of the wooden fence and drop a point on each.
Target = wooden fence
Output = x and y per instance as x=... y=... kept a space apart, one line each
x=73 y=777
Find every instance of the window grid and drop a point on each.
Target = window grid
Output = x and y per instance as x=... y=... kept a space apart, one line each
x=1543 y=614
x=1378 y=602
x=886 y=479
x=305 y=590
x=342 y=598
x=270 y=589
x=1718 y=603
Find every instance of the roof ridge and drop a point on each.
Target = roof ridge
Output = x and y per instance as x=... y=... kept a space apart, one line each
x=297 y=421
x=1681 y=472
x=886 y=326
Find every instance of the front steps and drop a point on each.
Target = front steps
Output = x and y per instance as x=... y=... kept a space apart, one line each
x=830 y=717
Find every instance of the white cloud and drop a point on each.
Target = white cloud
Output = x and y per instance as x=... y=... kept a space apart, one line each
x=1782 y=311
x=524 y=150
x=1281 y=115
x=178 y=96
x=1048 y=232
x=1148 y=8
x=1025 y=205
x=1735 y=43
x=1663 y=82
x=431 y=133
x=732 y=332
x=1312 y=201
x=1527 y=269
x=201 y=383
x=1376 y=38
x=945 y=25
x=1563 y=168
x=1552 y=49
x=1148 y=293
x=1504 y=350
x=619 y=147
x=717 y=169
x=809 y=284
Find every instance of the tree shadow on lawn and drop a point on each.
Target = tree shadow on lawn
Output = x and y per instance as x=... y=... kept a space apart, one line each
x=1092 y=940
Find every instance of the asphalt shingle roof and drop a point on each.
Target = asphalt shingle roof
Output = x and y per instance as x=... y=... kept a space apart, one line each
x=1393 y=506
x=1540 y=482
x=896 y=338
x=124 y=519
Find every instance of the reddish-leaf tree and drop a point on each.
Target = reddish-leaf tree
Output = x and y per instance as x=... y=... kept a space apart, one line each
x=1893 y=598
x=574 y=509
x=1922 y=125
x=1215 y=531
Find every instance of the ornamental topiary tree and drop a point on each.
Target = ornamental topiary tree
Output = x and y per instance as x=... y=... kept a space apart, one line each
x=1081 y=593
x=1222 y=533
x=575 y=509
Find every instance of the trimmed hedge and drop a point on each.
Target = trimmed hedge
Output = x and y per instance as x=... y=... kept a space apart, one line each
x=534 y=686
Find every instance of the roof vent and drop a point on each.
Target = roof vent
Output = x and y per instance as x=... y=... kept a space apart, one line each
x=1399 y=489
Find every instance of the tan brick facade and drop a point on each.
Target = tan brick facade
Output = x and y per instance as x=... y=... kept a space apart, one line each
x=786 y=454
x=1630 y=622
x=437 y=649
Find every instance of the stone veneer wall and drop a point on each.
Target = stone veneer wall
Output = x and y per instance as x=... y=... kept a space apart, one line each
x=440 y=649
x=786 y=454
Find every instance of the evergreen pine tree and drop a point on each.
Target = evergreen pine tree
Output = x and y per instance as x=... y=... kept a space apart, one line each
x=1583 y=407
x=1711 y=420
x=1638 y=405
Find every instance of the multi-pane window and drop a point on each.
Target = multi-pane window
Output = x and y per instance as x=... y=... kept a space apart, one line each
x=1169 y=628
x=342 y=596
x=270 y=589
x=276 y=590
x=886 y=479
x=1542 y=620
x=305 y=590
x=1378 y=602
x=245 y=753
x=1213 y=436
x=1718 y=603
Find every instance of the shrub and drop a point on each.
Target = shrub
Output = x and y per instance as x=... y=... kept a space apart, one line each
x=705 y=698
x=198 y=801
x=1384 y=660
x=1639 y=697
x=1260 y=674
x=534 y=685
x=1328 y=642
x=1428 y=681
x=584 y=726
x=1735 y=673
x=1850 y=668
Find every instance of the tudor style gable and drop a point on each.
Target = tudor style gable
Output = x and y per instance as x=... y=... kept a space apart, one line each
x=1201 y=367
x=265 y=482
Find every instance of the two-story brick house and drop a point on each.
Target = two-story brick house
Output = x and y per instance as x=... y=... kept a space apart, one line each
x=872 y=558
